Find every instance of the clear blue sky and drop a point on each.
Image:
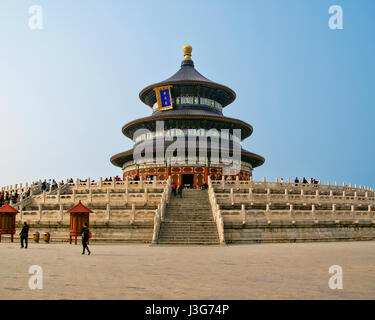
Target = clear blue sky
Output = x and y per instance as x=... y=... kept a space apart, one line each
x=66 y=90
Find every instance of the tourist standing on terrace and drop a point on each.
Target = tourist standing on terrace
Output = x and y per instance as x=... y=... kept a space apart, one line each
x=174 y=187
x=24 y=234
x=85 y=232
x=180 y=188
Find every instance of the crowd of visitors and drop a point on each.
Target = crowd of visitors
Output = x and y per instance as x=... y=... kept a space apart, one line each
x=13 y=196
x=177 y=189
x=304 y=181
x=49 y=185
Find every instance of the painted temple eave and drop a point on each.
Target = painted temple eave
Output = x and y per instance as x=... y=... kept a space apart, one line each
x=231 y=95
x=254 y=159
x=245 y=127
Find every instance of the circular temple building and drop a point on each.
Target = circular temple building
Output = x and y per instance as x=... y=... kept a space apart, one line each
x=187 y=137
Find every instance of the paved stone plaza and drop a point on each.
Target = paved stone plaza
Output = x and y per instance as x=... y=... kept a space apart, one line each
x=264 y=271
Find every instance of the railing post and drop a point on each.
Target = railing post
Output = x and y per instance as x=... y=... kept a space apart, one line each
x=108 y=212
x=61 y=212
x=268 y=213
x=291 y=213
x=133 y=213
x=334 y=212
x=243 y=213
x=40 y=212
x=250 y=194
x=313 y=213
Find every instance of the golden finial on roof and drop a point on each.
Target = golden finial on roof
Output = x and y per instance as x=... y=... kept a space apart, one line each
x=187 y=52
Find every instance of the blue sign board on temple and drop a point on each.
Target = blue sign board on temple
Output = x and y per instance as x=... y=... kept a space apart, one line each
x=165 y=98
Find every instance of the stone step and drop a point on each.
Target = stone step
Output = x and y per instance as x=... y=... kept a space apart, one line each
x=191 y=209
x=188 y=236
x=187 y=243
x=189 y=218
x=187 y=232
x=189 y=224
x=189 y=221
x=190 y=239
x=202 y=222
x=190 y=215
x=189 y=206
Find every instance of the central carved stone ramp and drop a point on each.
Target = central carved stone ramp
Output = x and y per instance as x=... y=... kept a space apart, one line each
x=189 y=220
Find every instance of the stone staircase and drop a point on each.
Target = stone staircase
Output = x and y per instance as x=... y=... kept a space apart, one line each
x=189 y=220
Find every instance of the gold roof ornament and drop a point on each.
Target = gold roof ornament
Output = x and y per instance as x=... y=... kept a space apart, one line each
x=187 y=52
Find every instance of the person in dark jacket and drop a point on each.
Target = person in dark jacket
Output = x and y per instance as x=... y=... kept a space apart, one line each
x=85 y=232
x=24 y=234
x=180 y=188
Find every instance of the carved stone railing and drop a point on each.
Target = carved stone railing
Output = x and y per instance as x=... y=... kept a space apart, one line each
x=251 y=197
x=276 y=185
x=293 y=216
x=108 y=215
x=116 y=185
x=216 y=212
x=91 y=198
x=161 y=211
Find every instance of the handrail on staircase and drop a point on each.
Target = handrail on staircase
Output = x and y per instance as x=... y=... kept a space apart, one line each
x=218 y=218
x=160 y=211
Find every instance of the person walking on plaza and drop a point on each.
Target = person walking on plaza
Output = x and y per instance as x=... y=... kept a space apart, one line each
x=180 y=188
x=85 y=232
x=24 y=234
